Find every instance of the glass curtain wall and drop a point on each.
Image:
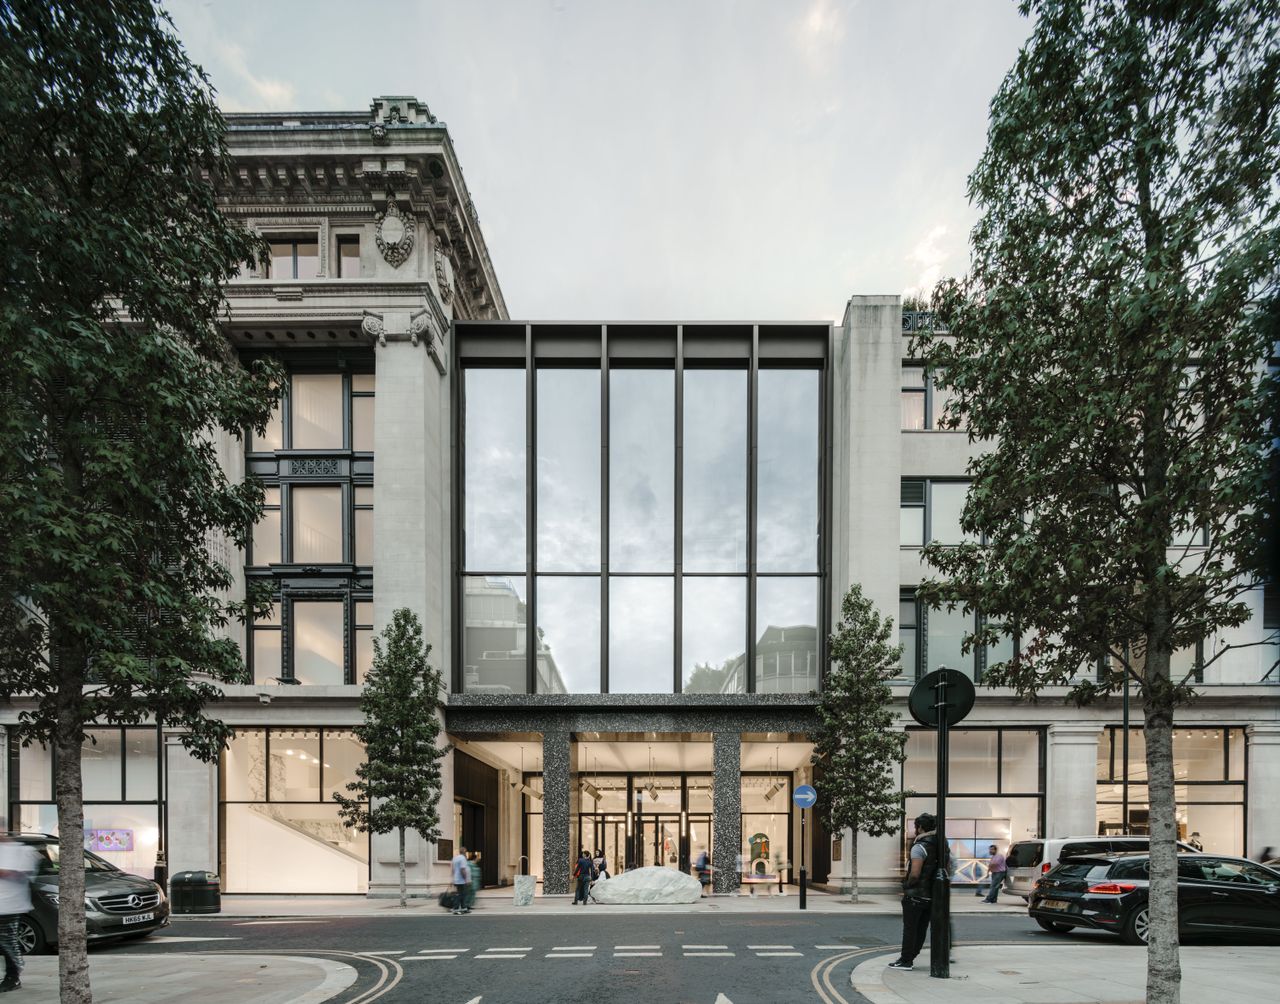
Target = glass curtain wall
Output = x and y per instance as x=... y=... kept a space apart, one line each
x=1209 y=785
x=649 y=573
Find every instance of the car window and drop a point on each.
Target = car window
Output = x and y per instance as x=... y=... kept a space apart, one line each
x=1025 y=854
x=1081 y=869
x=49 y=860
x=1239 y=872
x=1191 y=869
x=1079 y=847
x=1130 y=868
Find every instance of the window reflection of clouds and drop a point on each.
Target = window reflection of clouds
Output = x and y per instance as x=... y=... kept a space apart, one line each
x=787 y=634
x=494 y=458
x=569 y=627
x=641 y=470
x=787 y=485
x=714 y=635
x=641 y=635
x=568 y=453
x=715 y=470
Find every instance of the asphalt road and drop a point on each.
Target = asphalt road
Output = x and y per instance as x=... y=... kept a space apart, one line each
x=644 y=959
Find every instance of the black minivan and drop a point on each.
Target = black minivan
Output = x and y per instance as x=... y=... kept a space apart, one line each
x=1108 y=892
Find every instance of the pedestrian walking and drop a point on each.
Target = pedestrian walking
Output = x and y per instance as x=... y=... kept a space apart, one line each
x=473 y=887
x=18 y=862
x=917 y=888
x=582 y=873
x=461 y=880
x=703 y=868
x=997 y=868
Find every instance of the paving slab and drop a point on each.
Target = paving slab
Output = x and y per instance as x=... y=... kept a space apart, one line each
x=175 y=978
x=1055 y=973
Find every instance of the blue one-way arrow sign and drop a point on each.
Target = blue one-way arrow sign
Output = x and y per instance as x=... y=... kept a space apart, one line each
x=805 y=796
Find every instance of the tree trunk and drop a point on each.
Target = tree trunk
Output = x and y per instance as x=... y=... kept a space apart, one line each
x=73 y=958
x=853 y=866
x=1164 y=972
x=403 y=895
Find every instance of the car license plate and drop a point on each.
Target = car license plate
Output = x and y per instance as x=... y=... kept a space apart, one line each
x=1054 y=904
x=139 y=918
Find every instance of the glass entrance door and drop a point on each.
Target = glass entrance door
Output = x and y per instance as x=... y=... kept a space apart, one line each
x=606 y=832
x=658 y=839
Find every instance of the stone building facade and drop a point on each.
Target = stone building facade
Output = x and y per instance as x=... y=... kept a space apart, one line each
x=626 y=543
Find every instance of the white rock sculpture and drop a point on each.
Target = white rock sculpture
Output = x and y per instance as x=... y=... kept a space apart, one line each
x=524 y=890
x=648 y=885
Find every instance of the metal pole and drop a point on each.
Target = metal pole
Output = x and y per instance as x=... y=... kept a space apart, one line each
x=940 y=908
x=162 y=810
x=1124 y=755
x=803 y=876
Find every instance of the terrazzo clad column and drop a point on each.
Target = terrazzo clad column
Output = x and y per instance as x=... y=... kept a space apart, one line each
x=555 y=813
x=726 y=821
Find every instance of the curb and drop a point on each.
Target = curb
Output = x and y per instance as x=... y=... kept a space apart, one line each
x=867 y=979
x=338 y=976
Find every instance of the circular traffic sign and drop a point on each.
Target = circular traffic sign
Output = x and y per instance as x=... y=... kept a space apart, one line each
x=805 y=796
x=943 y=686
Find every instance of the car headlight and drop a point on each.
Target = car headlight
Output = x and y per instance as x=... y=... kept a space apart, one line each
x=53 y=897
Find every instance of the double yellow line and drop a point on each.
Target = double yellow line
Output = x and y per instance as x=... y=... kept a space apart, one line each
x=820 y=975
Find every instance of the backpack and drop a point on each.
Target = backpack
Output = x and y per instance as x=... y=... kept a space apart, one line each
x=922 y=887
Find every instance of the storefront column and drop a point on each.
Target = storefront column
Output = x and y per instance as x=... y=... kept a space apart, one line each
x=192 y=837
x=556 y=779
x=1263 y=782
x=1071 y=809
x=726 y=821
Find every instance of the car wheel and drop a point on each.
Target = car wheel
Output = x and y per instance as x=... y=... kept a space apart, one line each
x=30 y=938
x=1137 y=926
x=1052 y=926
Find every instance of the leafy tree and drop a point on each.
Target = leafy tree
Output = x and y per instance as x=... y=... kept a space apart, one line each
x=117 y=521
x=706 y=679
x=1107 y=347
x=398 y=786
x=856 y=741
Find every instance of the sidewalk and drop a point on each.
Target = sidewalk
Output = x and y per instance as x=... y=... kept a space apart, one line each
x=498 y=902
x=177 y=979
x=1102 y=973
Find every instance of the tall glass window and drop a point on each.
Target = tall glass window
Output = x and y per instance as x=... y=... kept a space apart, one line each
x=716 y=428
x=787 y=635
x=318 y=656
x=495 y=470
x=944 y=640
x=316 y=515
x=568 y=634
x=568 y=537
x=641 y=635
x=714 y=643
x=495 y=635
x=787 y=475
x=642 y=469
x=316 y=406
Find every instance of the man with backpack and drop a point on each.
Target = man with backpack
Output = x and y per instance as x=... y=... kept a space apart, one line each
x=583 y=873
x=917 y=889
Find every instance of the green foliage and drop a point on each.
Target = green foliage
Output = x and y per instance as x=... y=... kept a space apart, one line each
x=856 y=741
x=1109 y=340
x=398 y=786
x=118 y=524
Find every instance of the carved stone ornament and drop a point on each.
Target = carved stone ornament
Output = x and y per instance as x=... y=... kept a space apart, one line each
x=442 y=278
x=373 y=326
x=378 y=131
x=315 y=466
x=395 y=235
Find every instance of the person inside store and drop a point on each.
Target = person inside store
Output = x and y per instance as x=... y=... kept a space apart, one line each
x=602 y=865
x=917 y=888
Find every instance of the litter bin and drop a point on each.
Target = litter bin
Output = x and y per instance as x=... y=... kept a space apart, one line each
x=195 y=892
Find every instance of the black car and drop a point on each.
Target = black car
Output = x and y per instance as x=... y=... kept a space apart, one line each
x=116 y=903
x=1108 y=892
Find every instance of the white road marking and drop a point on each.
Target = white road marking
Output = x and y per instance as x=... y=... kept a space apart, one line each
x=434 y=951
x=832 y=948
x=173 y=939
x=570 y=955
x=574 y=948
x=427 y=958
x=720 y=999
x=264 y=923
x=636 y=948
x=708 y=955
x=389 y=951
x=528 y=948
x=757 y=948
x=506 y=956
x=476 y=1000
x=709 y=948
x=637 y=955
x=779 y=955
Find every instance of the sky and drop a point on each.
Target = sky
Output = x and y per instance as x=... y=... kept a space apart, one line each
x=666 y=159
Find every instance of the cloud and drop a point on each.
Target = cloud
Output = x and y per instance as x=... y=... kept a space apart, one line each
x=818 y=33
x=264 y=94
x=928 y=256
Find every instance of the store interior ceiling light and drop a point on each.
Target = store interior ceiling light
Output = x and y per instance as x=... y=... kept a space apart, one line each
x=773 y=790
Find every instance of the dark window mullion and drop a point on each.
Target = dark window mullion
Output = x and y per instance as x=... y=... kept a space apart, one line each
x=753 y=374
x=678 y=515
x=604 y=509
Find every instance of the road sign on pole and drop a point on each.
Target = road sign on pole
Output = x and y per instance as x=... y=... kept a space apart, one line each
x=805 y=796
x=940 y=700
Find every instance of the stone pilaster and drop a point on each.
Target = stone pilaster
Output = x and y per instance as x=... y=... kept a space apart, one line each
x=726 y=825
x=1264 y=782
x=556 y=780
x=1072 y=770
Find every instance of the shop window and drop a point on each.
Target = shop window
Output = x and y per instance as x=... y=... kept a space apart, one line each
x=267 y=647
x=317 y=648
x=315 y=410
